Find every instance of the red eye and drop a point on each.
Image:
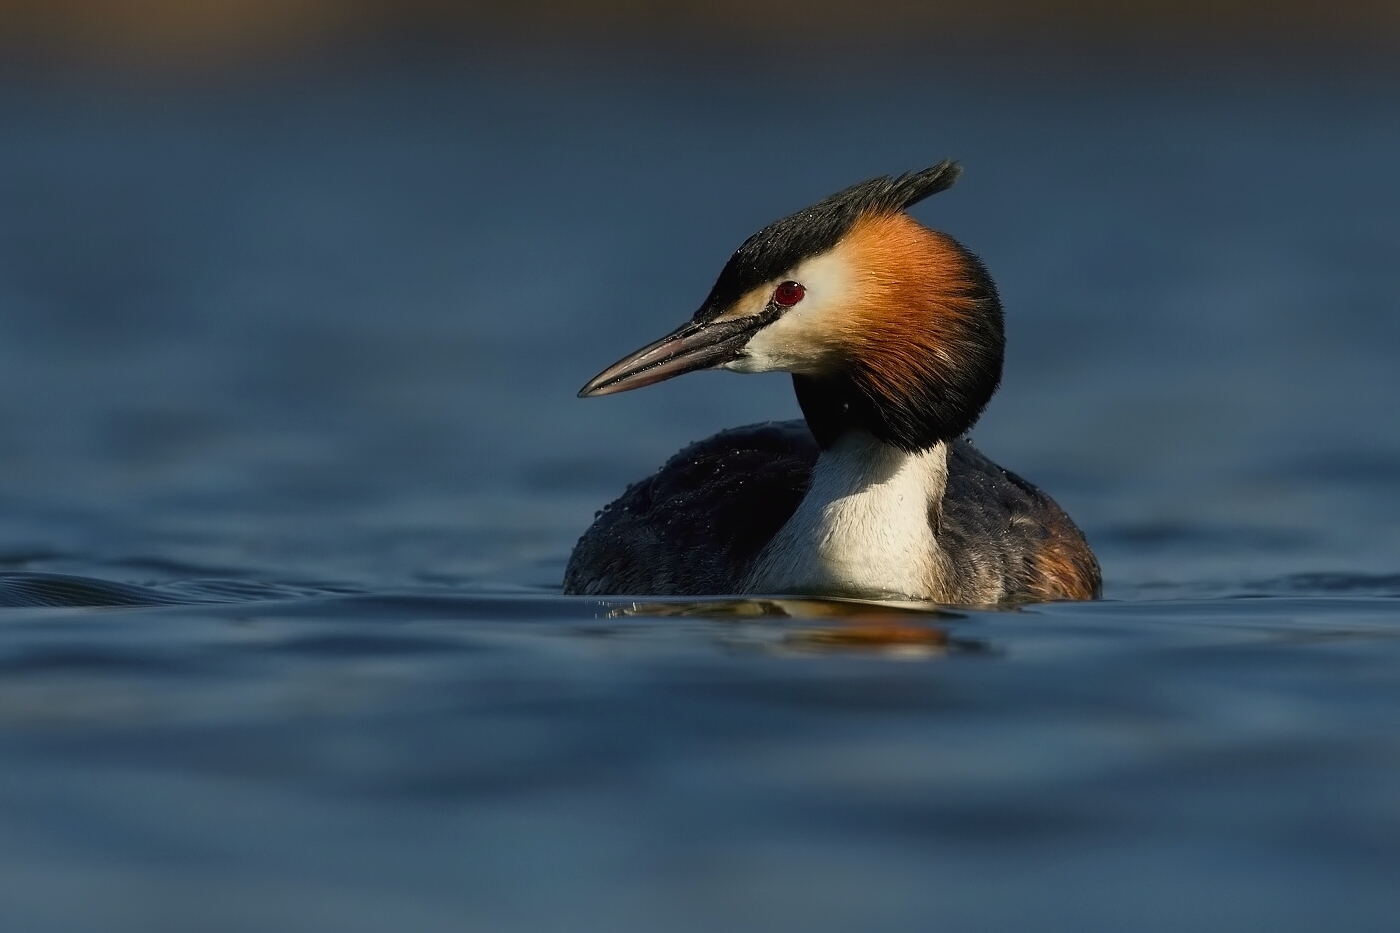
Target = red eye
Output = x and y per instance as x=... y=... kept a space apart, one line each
x=788 y=294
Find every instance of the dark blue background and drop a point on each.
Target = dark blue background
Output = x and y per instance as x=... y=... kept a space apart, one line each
x=321 y=333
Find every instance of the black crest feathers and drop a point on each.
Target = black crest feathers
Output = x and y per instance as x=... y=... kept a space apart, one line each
x=896 y=194
x=812 y=231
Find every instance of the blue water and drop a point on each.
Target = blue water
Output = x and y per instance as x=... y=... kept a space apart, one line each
x=290 y=465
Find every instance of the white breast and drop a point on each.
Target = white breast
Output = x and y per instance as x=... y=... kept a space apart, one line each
x=863 y=528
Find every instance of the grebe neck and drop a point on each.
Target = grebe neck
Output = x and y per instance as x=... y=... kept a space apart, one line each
x=866 y=525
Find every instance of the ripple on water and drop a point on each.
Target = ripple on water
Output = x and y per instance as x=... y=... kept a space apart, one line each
x=421 y=743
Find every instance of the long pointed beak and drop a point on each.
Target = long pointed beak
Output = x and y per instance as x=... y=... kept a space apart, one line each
x=689 y=347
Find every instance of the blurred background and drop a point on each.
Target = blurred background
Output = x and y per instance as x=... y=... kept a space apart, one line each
x=304 y=289
x=295 y=296
x=233 y=31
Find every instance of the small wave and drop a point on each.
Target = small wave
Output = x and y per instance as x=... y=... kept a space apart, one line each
x=1359 y=584
x=33 y=589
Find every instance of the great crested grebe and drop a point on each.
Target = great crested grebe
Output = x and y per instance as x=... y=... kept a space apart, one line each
x=893 y=335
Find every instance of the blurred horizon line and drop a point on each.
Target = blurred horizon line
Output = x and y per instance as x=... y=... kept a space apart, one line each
x=202 y=34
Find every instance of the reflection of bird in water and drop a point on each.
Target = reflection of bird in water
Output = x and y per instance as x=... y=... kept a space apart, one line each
x=893 y=334
x=889 y=628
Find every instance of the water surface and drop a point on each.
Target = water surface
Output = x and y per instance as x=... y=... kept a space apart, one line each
x=290 y=464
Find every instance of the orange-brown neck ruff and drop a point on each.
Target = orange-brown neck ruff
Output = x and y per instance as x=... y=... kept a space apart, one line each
x=920 y=350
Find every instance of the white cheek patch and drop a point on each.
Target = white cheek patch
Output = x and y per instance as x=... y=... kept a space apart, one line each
x=801 y=340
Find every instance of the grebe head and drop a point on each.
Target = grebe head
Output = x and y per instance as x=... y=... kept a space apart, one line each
x=886 y=326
